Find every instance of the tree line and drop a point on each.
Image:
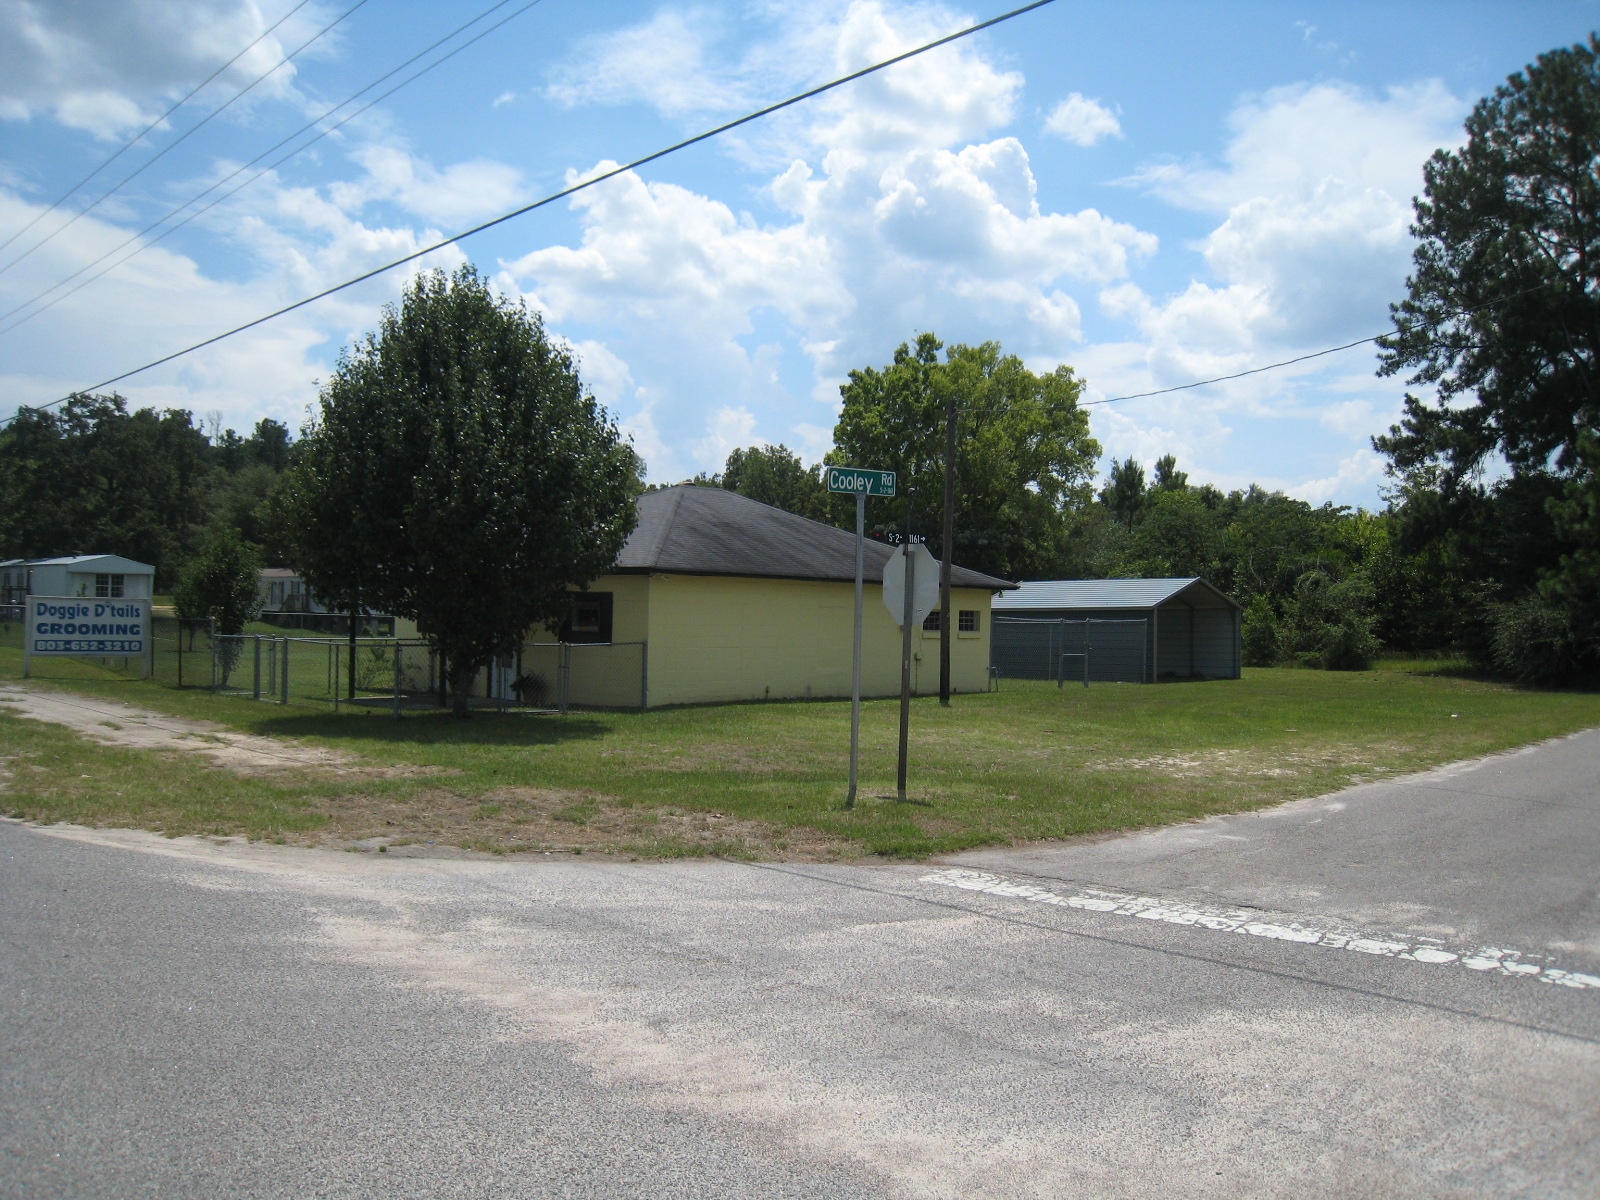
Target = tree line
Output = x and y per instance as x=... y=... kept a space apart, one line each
x=457 y=471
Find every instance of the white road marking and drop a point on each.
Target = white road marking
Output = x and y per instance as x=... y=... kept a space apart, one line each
x=1431 y=952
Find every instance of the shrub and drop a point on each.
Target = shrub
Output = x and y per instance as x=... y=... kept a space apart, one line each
x=1261 y=637
x=1535 y=642
x=1328 y=624
x=222 y=582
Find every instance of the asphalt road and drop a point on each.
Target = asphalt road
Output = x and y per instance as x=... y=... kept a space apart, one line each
x=1391 y=992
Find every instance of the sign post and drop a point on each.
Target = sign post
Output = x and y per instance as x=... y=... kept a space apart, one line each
x=910 y=593
x=853 y=481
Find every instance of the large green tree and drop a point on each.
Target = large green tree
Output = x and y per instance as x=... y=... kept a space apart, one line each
x=1502 y=316
x=459 y=474
x=1024 y=455
x=93 y=477
x=1124 y=492
x=775 y=475
x=1502 y=321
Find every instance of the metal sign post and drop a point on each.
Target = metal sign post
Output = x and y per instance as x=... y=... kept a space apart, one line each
x=910 y=593
x=859 y=483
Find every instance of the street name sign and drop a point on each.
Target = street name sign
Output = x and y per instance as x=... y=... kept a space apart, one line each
x=858 y=481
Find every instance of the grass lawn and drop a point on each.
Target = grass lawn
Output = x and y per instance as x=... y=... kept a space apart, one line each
x=767 y=780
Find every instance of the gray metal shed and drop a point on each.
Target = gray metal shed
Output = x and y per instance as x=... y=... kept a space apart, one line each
x=1116 y=630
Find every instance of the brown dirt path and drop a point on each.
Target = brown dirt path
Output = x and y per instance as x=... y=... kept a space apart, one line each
x=112 y=723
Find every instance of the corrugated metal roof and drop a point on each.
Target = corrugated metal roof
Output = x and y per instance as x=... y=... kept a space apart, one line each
x=711 y=531
x=84 y=559
x=1106 y=593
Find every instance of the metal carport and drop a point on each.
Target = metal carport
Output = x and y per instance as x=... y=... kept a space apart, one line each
x=1116 y=630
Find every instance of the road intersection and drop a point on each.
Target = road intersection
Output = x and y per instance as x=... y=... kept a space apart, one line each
x=1392 y=991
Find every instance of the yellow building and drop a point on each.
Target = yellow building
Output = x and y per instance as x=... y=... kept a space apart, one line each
x=717 y=597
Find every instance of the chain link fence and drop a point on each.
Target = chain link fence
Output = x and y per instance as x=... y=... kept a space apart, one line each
x=11 y=616
x=565 y=675
x=1066 y=650
x=388 y=673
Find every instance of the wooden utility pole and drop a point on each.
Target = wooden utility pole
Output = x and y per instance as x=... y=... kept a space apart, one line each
x=946 y=618
x=906 y=622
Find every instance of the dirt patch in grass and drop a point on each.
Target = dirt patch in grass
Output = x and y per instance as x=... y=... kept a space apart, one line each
x=113 y=724
x=538 y=820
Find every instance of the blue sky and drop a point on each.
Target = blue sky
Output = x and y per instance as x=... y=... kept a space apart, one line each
x=1150 y=192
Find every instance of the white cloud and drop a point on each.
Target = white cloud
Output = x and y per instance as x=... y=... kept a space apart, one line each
x=111 y=66
x=663 y=62
x=876 y=249
x=680 y=63
x=297 y=241
x=728 y=429
x=605 y=375
x=946 y=96
x=1316 y=198
x=1082 y=121
x=454 y=196
x=1313 y=202
x=896 y=220
x=1356 y=473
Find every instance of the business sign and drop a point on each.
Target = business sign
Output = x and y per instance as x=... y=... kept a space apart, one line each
x=71 y=625
x=857 y=481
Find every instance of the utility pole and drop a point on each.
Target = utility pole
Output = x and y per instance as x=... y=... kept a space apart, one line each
x=906 y=622
x=945 y=615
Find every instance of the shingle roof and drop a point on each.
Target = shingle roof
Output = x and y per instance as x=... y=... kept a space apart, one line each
x=1109 y=593
x=694 y=530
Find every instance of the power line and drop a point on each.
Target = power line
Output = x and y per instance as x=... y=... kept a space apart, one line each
x=138 y=137
x=180 y=139
x=440 y=61
x=1183 y=387
x=575 y=188
x=1289 y=362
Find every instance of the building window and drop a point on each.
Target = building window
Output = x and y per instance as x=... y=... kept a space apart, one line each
x=967 y=621
x=930 y=623
x=591 y=618
x=108 y=586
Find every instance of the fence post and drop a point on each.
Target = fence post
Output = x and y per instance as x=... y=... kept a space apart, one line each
x=283 y=674
x=397 y=679
x=255 y=684
x=563 y=675
x=180 y=654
